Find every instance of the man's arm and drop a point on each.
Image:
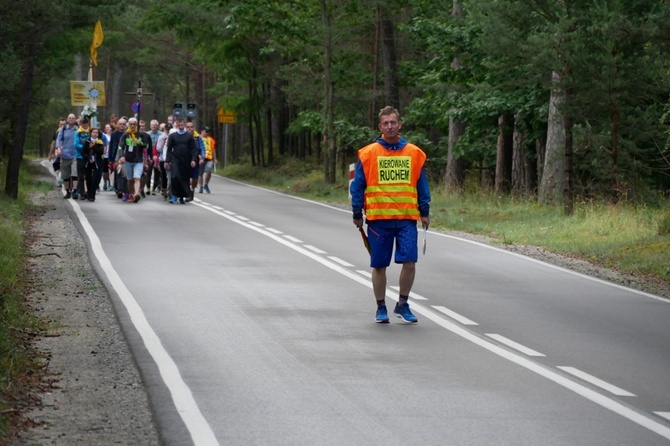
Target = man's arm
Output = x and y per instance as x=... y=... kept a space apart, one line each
x=423 y=201
x=168 y=150
x=357 y=191
x=194 y=151
x=52 y=149
x=121 y=150
x=60 y=138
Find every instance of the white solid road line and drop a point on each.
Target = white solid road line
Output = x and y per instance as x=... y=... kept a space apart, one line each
x=596 y=381
x=515 y=345
x=187 y=408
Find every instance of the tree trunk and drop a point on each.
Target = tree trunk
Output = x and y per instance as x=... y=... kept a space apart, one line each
x=567 y=183
x=504 y=154
x=454 y=179
x=21 y=125
x=260 y=141
x=252 y=139
x=283 y=119
x=520 y=175
x=617 y=188
x=540 y=147
x=268 y=119
x=553 y=173
x=116 y=91
x=487 y=178
x=372 y=107
x=391 y=89
x=328 y=136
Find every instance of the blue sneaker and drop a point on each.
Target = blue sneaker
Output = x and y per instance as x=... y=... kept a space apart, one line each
x=173 y=200
x=403 y=312
x=207 y=189
x=382 y=316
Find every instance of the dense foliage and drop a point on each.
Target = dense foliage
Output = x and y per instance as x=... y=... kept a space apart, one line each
x=549 y=99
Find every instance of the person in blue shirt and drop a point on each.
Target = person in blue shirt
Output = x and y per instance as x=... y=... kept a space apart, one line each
x=391 y=186
x=68 y=153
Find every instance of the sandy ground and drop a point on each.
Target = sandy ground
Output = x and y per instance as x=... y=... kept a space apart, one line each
x=91 y=392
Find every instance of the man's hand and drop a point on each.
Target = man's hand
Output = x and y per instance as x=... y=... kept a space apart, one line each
x=425 y=222
x=358 y=222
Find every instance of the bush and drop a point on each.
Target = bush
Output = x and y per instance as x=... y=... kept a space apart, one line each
x=664 y=225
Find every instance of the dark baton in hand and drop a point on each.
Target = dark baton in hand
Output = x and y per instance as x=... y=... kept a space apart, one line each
x=366 y=242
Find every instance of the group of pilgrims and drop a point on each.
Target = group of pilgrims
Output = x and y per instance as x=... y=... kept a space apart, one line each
x=170 y=159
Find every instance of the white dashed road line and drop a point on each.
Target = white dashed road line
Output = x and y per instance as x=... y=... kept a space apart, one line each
x=596 y=381
x=515 y=345
x=452 y=314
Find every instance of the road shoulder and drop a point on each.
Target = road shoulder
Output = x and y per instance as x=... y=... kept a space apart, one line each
x=92 y=391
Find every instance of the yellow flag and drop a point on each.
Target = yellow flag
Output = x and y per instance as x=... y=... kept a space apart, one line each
x=97 y=41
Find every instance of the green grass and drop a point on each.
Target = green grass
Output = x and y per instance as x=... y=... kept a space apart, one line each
x=16 y=321
x=632 y=238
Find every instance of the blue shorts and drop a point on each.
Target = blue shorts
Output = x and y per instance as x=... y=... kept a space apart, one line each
x=195 y=171
x=134 y=170
x=383 y=235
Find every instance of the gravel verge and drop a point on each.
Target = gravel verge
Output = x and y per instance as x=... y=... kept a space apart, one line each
x=90 y=392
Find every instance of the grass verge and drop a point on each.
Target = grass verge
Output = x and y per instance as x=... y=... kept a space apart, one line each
x=17 y=324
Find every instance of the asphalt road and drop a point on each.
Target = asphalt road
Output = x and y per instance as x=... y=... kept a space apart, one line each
x=250 y=314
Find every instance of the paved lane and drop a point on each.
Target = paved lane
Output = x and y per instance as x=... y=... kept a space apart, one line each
x=250 y=314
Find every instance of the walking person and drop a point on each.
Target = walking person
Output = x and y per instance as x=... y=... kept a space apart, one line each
x=200 y=145
x=210 y=160
x=153 y=170
x=181 y=158
x=68 y=154
x=83 y=134
x=92 y=152
x=161 y=148
x=133 y=155
x=119 y=181
x=391 y=186
x=104 y=168
x=54 y=153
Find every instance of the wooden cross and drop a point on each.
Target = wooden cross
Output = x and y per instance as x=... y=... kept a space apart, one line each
x=139 y=94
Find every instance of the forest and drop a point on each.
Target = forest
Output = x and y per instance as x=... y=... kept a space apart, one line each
x=557 y=101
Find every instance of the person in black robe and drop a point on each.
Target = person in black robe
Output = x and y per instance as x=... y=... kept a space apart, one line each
x=181 y=157
x=92 y=152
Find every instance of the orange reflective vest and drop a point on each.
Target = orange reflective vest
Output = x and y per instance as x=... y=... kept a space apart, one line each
x=209 y=147
x=391 y=178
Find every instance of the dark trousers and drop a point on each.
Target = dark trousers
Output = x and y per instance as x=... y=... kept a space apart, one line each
x=81 y=166
x=164 y=177
x=92 y=178
x=158 y=178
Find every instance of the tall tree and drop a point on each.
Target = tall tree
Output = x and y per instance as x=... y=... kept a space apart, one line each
x=454 y=179
x=37 y=38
